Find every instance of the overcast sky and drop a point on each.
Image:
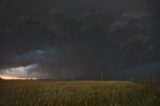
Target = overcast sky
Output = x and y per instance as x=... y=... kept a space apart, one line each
x=79 y=39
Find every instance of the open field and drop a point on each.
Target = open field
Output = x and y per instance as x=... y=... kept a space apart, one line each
x=77 y=93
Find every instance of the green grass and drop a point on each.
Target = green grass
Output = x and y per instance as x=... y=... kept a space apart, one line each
x=77 y=93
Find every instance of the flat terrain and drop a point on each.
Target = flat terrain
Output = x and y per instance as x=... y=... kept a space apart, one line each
x=77 y=93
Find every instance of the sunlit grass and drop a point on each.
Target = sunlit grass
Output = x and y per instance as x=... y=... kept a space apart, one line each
x=77 y=93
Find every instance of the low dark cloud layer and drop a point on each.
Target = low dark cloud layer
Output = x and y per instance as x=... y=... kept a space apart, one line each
x=79 y=39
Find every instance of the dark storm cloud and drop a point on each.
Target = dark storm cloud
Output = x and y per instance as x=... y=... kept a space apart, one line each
x=78 y=39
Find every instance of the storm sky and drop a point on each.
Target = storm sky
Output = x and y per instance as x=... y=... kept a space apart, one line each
x=79 y=39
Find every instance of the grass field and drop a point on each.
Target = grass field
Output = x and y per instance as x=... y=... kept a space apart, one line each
x=77 y=93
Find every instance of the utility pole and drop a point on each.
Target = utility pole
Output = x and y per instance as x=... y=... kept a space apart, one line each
x=101 y=76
